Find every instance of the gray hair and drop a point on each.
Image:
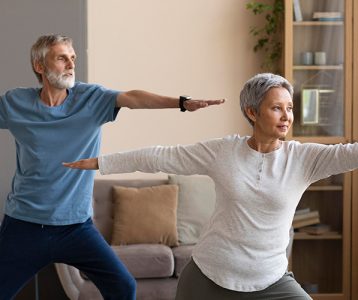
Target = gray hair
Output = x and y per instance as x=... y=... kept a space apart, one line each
x=254 y=91
x=42 y=46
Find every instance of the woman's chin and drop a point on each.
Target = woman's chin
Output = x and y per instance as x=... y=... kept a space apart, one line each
x=282 y=135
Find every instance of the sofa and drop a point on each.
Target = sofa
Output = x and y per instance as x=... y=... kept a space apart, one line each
x=155 y=261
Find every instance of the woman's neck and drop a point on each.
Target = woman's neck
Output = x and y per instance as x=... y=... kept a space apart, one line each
x=263 y=146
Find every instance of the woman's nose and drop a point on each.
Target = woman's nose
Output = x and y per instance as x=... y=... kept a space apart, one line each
x=284 y=115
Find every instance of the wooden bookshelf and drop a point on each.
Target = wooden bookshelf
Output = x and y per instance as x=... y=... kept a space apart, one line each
x=325 y=259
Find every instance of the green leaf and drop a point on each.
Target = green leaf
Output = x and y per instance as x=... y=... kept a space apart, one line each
x=268 y=36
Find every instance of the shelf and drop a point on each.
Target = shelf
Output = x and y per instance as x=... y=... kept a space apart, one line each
x=327 y=296
x=321 y=139
x=316 y=188
x=333 y=235
x=314 y=68
x=318 y=23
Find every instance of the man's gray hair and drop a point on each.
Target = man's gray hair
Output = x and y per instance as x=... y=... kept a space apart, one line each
x=255 y=89
x=42 y=46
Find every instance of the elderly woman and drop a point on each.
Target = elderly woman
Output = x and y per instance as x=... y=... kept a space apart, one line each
x=259 y=181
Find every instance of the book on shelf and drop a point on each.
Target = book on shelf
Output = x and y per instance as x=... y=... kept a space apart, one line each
x=305 y=218
x=315 y=229
x=297 y=11
x=327 y=16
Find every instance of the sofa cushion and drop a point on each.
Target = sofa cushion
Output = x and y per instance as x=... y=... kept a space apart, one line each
x=182 y=255
x=196 y=202
x=147 y=260
x=145 y=215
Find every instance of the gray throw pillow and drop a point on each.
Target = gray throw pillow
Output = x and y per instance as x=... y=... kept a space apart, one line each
x=196 y=202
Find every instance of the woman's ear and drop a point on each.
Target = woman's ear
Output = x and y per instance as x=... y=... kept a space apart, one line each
x=251 y=113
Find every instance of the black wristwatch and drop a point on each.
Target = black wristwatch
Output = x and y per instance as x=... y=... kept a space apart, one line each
x=182 y=99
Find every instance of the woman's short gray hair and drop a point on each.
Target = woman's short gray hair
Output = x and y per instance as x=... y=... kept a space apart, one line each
x=255 y=89
x=42 y=46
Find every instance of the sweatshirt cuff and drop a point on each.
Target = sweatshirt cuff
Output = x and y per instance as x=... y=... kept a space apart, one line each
x=101 y=165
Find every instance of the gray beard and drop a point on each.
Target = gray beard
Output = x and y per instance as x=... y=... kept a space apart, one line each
x=59 y=82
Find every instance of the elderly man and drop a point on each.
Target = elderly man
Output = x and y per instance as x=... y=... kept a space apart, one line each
x=48 y=211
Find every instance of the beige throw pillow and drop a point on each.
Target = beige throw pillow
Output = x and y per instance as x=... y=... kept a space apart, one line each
x=145 y=215
x=196 y=204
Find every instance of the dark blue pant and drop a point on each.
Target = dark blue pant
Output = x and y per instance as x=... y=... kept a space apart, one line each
x=26 y=247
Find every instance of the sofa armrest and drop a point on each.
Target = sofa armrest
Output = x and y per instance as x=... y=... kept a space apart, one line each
x=71 y=280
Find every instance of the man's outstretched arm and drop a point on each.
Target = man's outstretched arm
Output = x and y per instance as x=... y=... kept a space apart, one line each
x=136 y=99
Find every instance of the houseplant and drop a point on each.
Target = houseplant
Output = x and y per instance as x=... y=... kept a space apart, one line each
x=268 y=36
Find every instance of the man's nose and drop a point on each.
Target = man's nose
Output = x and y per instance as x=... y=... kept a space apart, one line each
x=70 y=64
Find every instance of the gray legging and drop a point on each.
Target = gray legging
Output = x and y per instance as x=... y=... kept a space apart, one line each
x=194 y=285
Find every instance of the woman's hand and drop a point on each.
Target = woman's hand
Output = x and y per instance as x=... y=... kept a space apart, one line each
x=83 y=164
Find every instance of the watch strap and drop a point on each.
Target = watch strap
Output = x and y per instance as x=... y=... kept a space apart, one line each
x=182 y=99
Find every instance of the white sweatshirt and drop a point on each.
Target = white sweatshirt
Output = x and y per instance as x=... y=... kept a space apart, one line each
x=244 y=246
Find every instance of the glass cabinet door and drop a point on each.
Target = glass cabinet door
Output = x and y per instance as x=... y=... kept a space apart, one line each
x=317 y=68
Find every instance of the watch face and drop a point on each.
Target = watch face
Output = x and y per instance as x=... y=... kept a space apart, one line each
x=185 y=98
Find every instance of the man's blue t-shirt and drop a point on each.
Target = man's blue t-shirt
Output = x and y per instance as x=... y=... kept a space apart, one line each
x=43 y=191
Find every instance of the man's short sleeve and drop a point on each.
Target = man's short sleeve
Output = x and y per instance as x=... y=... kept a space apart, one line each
x=102 y=103
x=3 y=114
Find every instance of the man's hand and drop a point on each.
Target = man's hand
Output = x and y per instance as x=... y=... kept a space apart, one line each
x=193 y=105
x=83 y=164
x=138 y=99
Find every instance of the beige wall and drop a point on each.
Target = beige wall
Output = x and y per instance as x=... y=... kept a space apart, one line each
x=200 y=48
